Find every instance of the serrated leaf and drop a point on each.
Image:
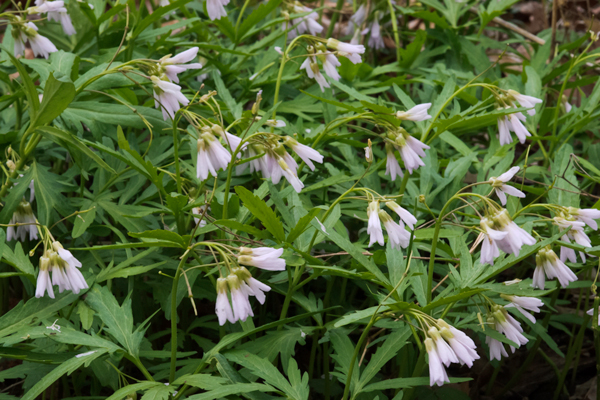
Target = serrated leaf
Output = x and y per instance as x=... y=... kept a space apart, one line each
x=262 y=212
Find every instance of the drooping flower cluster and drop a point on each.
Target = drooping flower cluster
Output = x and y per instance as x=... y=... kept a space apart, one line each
x=24 y=32
x=240 y=284
x=329 y=60
x=276 y=162
x=576 y=219
x=549 y=265
x=216 y=9
x=212 y=156
x=446 y=345
x=397 y=234
x=501 y=233
x=514 y=122
x=411 y=151
x=523 y=304
x=65 y=272
x=500 y=320
x=301 y=25
x=22 y=224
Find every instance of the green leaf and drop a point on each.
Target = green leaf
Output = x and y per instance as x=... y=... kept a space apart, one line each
x=118 y=319
x=65 y=368
x=29 y=88
x=58 y=94
x=160 y=234
x=202 y=381
x=228 y=390
x=18 y=259
x=86 y=315
x=130 y=389
x=301 y=226
x=261 y=211
x=155 y=16
x=61 y=137
x=15 y=195
x=238 y=226
x=84 y=219
x=411 y=52
x=259 y=13
x=406 y=383
x=158 y=393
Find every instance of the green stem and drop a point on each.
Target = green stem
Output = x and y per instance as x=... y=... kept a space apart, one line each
x=174 y=317
x=334 y=17
x=239 y=20
x=395 y=29
x=140 y=366
x=33 y=142
x=355 y=355
x=176 y=155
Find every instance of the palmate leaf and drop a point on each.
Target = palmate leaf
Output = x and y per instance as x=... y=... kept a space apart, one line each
x=118 y=319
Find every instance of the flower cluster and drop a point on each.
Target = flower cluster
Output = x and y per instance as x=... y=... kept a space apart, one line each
x=397 y=234
x=446 y=345
x=575 y=220
x=549 y=265
x=65 y=272
x=501 y=233
x=514 y=122
x=301 y=25
x=22 y=224
x=500 y=320
x=411 y=151
x=240 y=284
x=56 y=12
x=502 y=189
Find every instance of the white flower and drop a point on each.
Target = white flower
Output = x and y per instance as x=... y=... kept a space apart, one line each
x=262 y=257
x=65 y=269
x=525 y=101
x=375 y=39
x=253 y=287
x=411 y=150
x=497 y=349
x=239 y=298
x=313 y=72
x=275 y=123
x=397 y=235
x=437 y=372
x=517 y=126
x=47 y=6
x=548 y=264
x=290 y=175
x=591 y=312
x=392 y=167
x=417 y=113
x=404 y=215
x=356 y=20
x=509 y=327
x=516 y=237
x=499 y=185
x=306 y=153
x=40 y=45
x=568 y=107
x=330 y=64
x=586 y=215
x=167 y=97
x=524 y=303
x=212 y=156
x=462 y=345
x=351 y=51
x=215 y=9
x=22 y=224
x=489 y=246
x=575 y=233
x=504 y=131
x=176 y=65
x=374 y=226
x=222 y=306
x=57 y=13
x=278 y=49
x=43 y=280
x=231 y=140
x=301 y=25
x=444 y=351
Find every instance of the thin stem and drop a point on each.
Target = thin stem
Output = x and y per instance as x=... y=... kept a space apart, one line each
x=174 y=317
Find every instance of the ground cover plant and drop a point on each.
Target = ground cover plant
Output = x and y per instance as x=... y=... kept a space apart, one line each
x=215 y=199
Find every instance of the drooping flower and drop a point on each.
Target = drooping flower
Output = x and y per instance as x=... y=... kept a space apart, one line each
x=222 y=306
x=375 y=39
x=65 y=269
x=265 y=258
x=417 y=113
x=411 y=150
x=43 y=280
x=198 y=212
x=356 y=20
x=312 y=70
x=27 y=31
x=307 y=23
x=502 y=189
x=524 y=101
x=22 y=224
x=586 y=215
x=253 y=287
x=306 y=153
x=575 y=233
x=212 y=156
x=489 y=246
x=374 y=225
x=404 y=214
x=351 y=51
x=501 y=321
x=43 y=7
x=437 y=372
x=443 y=349
x=167 y=97
x=548 y=264
x=524 y=303
x=397 y=235
x=216 y=9
x=462 y=345
x=177 y=64
x=392 y=166
x=516 y=236
x=275 y=123
x=330 y=64
x=239 y=298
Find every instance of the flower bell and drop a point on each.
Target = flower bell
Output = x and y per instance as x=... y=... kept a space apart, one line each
x=502 y=189
x=23 y=224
